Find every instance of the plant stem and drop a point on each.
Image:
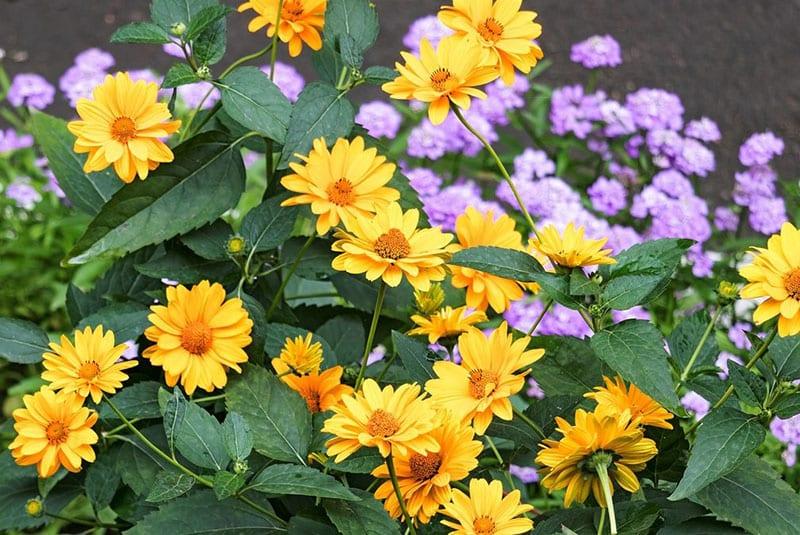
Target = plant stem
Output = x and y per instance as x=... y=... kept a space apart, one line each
x=245 y=59
x=605 y=483
x=399 y=494
x=82 y=522
x=500 y=460
x=699 y=348
x=530 y=423
x=541 y=317
x=195 y=111
x=209 y=399
x=275 y=41
x=373 y=326
x=277 y=297
x=602 y=523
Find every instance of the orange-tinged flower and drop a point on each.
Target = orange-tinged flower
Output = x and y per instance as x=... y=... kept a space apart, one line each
x=322 y=391
x=486 y=511
x=299 y=355
x=446 y=322
x=301 y=21
x=642 y=407
x=571 y=248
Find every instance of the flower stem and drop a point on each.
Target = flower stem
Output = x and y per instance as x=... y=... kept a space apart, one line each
x=373 y=326
x=602 y=523
x=195 y=111
x=277 y=297
x=82 y=522
x=541 y=317
x=500 y=461
x=538 y=430
x=605 y=483
x=399 y=494
x=699 y=348
x=245 y=59
x=275 y=41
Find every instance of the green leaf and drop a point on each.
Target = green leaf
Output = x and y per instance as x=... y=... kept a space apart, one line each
x=210 y=241
x=254 y=101
x=184 y=266
x=292 y=479
x=174 y=410
x=351 y=51
x=543 y=412
x=701 y=526
x=320 y=111
x=685 y=338
x=361 y=293
x=417 y=359
x=169 y=12
x=140 y=32
x=127 y=320
x=580 y=284
x=304 y=526
x=670 y=463
x=87 y=191
x=569 y=366
x=179 y=74
x=749 y=387
x=316 y=262
x=636 y=518
x=346 y=336
x=257 y=313
x=237 y=437
x=367 y=517
x=506 y=263
x=199 y=439
x=635 y=350
x=138 y=465
x=139 y=400
x=364 y=461
x=378 y=75
x=168 y=486
x=22 y=341
x=102 y=481
x=204 y=19
x=205 y=180
x=726 y=437
x=122 y=282
x=785 y=355
x=227 y=484
x=209 y=47
x=754 y=497
x=268 y=225
x=357 y=19
x=277 y=416
x=577 y=520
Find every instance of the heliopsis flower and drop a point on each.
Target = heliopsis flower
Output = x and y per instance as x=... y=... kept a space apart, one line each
x=451 y=73
x=475 y=229
x=347 y=181
x=642 y=407
x=501 y=29
x=198 y=336
x=299 y=356
x=602 y=436
x=775 y=274
x=301 y=21
x=486 y=511
x=489 y=373
x=571 y=249
x=89 y=367
x=446 y=322
x=123 y=126
x=394 y=421
x=53 y=430
x=389 y=246
x=320 y=390
x=425 y=478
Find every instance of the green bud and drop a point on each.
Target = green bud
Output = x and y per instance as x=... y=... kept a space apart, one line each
x=429 y=302
x=728 y=291
x=235 y=245
x=597 y=310
x=177 y=29
x=203 y=72
x=240 y=466
x=34 y=507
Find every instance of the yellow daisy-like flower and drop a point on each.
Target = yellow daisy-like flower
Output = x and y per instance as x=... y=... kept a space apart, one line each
x=486 y=511
x=346 y=182
x=394 y=421
x=479 y=387
x=322 y=391
x=446 y=322
x=568 y=462
x=198 y=336
x=389 y=246
x=89 y=367
x=475 y=229
x=301 y=21
x=571 y=249
x=53 y=430
x=775 y=274
x=502 y=30
x=425 y=478
x=123 y=126
x=642 y=407
x=451 y=73
x=299 y=356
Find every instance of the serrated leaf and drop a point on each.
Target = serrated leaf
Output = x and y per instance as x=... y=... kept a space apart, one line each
x=254 y=101
x=506 y=263
x=211 y=241
x=749 y=388
x=138 y=400
x=138 y=465
x=140 y=32
x=227 y=484
x=178 y=75
x=378 y=75
x=417 y=359
x=122 y=282
x=673 y=448
x=346 y=336
x=237 y=437
x=166 y=13
x=126 y=320
x=268 y=225
x=22 y=341
x=199 y=439
x=292 y=479
x=204 y=18
x=569 y=365
x=785 y=355
x=209 y=47
x=687 y=335
x=174 y=413
x=357 y=19
x=184 y=266
x=102 y=481
x=168 y=486
x=366 y=517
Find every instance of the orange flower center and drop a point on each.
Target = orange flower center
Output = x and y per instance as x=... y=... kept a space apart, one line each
x=311 y=395
x=292 y=10
x=382 y=424
x=491 y=30
x=123 y=129
x=196 y=338
x=341 y=193
x=483 y=525
x=424 y=467
x=393 y=245
x=792 y=283
x=56 y=433
x=443 y=80
x=482 y=383
x=89 y=371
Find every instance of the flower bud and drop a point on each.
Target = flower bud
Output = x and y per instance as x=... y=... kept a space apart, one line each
x=235 y=245
x=178 y=29
x=240 y=466
x=34 y=507
x=429 y=302
x=204 y=72
x=597 y=310
x=728 y=291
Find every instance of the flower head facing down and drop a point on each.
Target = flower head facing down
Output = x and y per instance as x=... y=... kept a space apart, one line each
x=570 y=248
x=619 y=398
x=53 y=430
x=446 y=322
x=300 y=356
x=198 y=336
x=322 y=391
x=487 y=511
x=89 y=367
x=300 y=21
x=122 y=126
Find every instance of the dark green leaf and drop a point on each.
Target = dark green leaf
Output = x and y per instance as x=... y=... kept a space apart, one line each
x=205 y=18
x=179 y=74
x=211 y=241
x=579 y=520
x=361 y=293
x=227 y=484
x=139 y=400
x=749 y=387
x=199 y=439
x=304 y=526
x=363 y=461
x=21 y=341
x=209 y=47
x=166 y=13
x=543 y=412
x=569 y=366
x=346 y=336
x=409 y=198
x=237 y=437
x=316 y=262
x=268 y=225
x=636 y=518
x=184 y=266
x=254 y=101
x=686 y=337
x=785 y=354
x=127 y=320
x=378 y=75
x=102 y=481
x=580 y=284
x=168 y=486
x=701 y=526
x=122 y=282
x=351 y=51
x=787 y=406
x=140 y=32
x=80 y=304
x=367 y=517
x=506 y=263
x=417 y=359
x=138 y=465
x=355 y=18
x=292 y=479
x=257 y=313
x=174 y=410
x=673 y=449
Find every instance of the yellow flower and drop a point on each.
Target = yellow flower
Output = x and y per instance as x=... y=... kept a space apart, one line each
x=346 y=182
x=479 y=387
x=446 y=322
x=505 y=33
x=430 y=301
x=619 y=399
x=775 y=274
x=425 y=478
x=475 y=229
x=321 y=391
x=53 y=430
x=394 y=421
x=571 y=249
x=89 y=367
x=123 y=126
x=299 y=356
x=451 y=73
x=301 y=21
x=198 y=336
x=486 y=511
x=389 y=246
x=568 y=462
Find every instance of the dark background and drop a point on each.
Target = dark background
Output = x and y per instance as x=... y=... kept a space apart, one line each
x=735 y=61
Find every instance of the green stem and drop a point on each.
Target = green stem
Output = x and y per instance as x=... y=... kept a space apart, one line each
x=121 y=427
x=82 y=522
x=386 y=367
x=530 y=423
x=245 y=59
x=275 y=41
x=313 y=296
x=605 y=483
x=699 y=348
x=541 y=317
x=500 y=460
x=277 y=297
x=399 y=494
x=187 y=127
x=602 y=523
x=373 y=326
x=209 y=399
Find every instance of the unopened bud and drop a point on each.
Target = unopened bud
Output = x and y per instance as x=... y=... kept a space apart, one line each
x=235 y=245
x=728 y=291
x=240 y=467
x=34 y=507
x=177 y=29
x=203 y=72
x=597 y=311
x=429 y=302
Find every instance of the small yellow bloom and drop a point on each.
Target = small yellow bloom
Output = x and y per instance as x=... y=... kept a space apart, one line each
x=346 y=182
x=486 y=511
x=571 y=249
x=479 y=388
x=446 y=322
x=451 y=73
x=53 y=430
x=235 y=245
x=322 y=391
x=89 y=367
x=301 y=21
x=430 y=301
x=389 y=246
x=34 y=507
x=198 y=336
x=619 y=399
x=775 y=274
x=299 y=356
x=123 y=126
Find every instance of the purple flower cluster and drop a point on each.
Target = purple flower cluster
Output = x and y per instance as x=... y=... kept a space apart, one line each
x=288 y=79
x=759 y=149
x=608 y=196
x=696 y=404
x=560 y=320
x=30 y=90
x=428 y=141
x=88 y=71
x=533 y=164
x=23 y=193
x=379 y=119
x=596 y=52
x=572 y=111
x=526 y=474
x=788 y=432
x=703 y=129
x=755 y=187
x=424 y=181
x=445 y=206
x=501 y=99
x=428 y=27
x=655 y=109
x=11 y=141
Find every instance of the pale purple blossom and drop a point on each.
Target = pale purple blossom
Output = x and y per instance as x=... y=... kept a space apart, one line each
x=53 y=185
x=94 y=59
x=738 y=337
x=635 y=313
x=559 y=320
x=532 y=164
x=379 y=119
x=377 y=354
x=757 y=181
x=702 y=263
x=673 y=183
x=78 y=82
x=608 y=196
x=596 y=52
x=703 y=129
x=618 y=119
x=427 y=141
x=681 y=218
x=621 y=237
x=696 y=404
x=634 y=145
x=646 y=201
x=665 y=146
x=759 y=149
x=173 y=49
x=722 y=363
x=767 y=214
x=572 y=111
x=786 y=430
x=543 y=198
x=462 y=140
x=288 y=79
x=655 y=108
x=131 y=352
x=789 y=455
x=30 y=90
x=428 y=27
x=193 y=94
x=526 y=474
x=726 y=219
x=10 y=140
x=501 y=99
x=23 y=194
x=169 y=282
x=695 y=158
x=424 y=181
x=534 y=390
x=444 y=207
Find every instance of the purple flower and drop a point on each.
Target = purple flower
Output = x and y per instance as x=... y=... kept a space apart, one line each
x=759 y=149
x=23 y=194
x=534 y=390
x=424 y=181
x=703 y=129
x=787 y=431
x=77 y=83
x=608 y=197
x=722 y=363
x=377 y=354
x=635 y=313
x=288 y=79
x=462 y=140
x=379 y=119
x=533 y=164
x=646 y=201
x=131 y=352
x=146 y=75
x=560 y=320
x=53 y=185
x=30 y=90
x=695 y=158
x=543 y=197
x=193 y=94
x=571 y=111
x=618 y=119
x=10 y=140
x=444 y=354
x=665 y=146
x=173 y=49
x=695 y=403
x=673 y=184
x=681 y=218
x=597 y=51
x=626 y=175
x=427 y=141
x=767 y=214
x=621 y=237
x=726 y=219
x=526 y=474
x=738 y=337
x=653 y=109
x=789 y=456
x=758 y=181
x=169 y=282
x=444 y=207
x=428 y=27
x=94 y=59
x=502 y=99
x=702 y=263
x=633 y=146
